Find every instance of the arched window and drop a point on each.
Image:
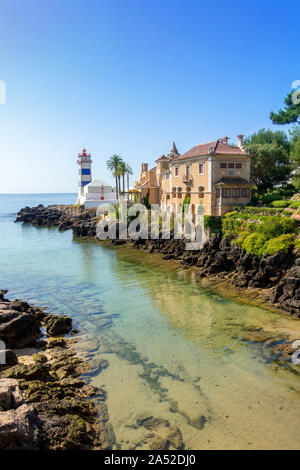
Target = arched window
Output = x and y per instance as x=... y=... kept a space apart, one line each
x=179 y=192
x=173 y=192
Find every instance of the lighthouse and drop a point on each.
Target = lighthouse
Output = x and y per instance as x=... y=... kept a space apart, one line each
x=84 y=173
x=92 y=193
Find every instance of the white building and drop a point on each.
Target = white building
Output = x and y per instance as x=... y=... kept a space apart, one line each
x=92 y=193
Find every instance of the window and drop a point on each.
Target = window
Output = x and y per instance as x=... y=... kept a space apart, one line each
x=173 y=192
x=226 y=192
x=245 y=192
x=85 y=171
x=167 y=176
x=201 y=168
x=236 y=192
x=230 y=165
x=187 y=172
x=239 y=166
x=176 y=170
x=218 y=192
x=223 y=165
x=179 y=192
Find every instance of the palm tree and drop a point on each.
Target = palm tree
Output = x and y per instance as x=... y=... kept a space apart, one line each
x=128 y=172
x=123 y=171
x=113 y=165
x=119 y=173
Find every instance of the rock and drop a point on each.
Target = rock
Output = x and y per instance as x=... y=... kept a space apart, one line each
x=18 y=329
x=10 y=394
x=9 y=357
x=56 y=343
x=103 y=364
x=19 y=429
x=154 y=423
x=44 y=405
x=57 y=325
x=175 y=438
x=29 y=372
x=19 y=306
x=159 y=443
x=257 y=336
x=40 y=358
x=89 y=390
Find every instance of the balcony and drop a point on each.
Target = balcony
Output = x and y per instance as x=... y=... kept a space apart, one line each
x=187 y=179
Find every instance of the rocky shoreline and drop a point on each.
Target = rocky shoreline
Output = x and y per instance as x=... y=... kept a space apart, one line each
x=275 y=278
x=46 y=402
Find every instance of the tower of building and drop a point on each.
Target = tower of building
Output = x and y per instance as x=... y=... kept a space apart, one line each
x=173 y=152
x=84 y=173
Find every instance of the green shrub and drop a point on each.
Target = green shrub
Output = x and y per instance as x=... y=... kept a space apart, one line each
x=258 y=233
x=231 y=226
x=279 y=204
x=294 y=204
x=281 y=243
x=273 y=196
x=254 y=244
x=274 y=226
x=258 y=210
x=214 y=223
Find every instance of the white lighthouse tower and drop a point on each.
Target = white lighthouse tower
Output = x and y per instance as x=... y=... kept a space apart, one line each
x=84 y=174
x=92 y=193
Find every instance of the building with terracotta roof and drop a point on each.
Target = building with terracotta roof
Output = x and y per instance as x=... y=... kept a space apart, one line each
x=214 y=174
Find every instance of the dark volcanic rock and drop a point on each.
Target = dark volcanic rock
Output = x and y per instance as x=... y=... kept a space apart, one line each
x=57 y=325
x=18 y=329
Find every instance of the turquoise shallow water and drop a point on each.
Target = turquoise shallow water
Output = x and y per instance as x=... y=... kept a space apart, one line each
x=174 y=348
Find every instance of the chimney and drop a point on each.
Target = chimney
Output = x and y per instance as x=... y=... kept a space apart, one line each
x=224 y=140
x=144 y=167
x=241 y=141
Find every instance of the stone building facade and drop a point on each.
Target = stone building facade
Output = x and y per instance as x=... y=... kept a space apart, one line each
x=214 y=174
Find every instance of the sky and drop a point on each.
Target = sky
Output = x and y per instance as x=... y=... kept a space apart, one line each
x=131 y=76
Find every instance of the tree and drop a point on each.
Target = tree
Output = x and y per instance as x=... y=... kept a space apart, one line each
x=295 y=146
x=266 y=136
x=291 y=112
x=295 y=156
x=122 y=173
x=270 y=160
x=113 y=165
x=128 y=172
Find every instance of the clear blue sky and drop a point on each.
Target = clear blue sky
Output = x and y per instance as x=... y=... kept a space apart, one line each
x=129 y=76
